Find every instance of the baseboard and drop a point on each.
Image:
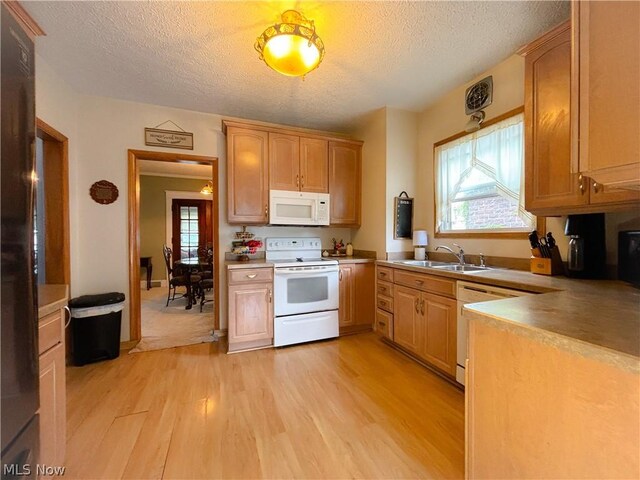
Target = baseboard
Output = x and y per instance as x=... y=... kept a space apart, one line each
x=128 y=345
x=221 y=333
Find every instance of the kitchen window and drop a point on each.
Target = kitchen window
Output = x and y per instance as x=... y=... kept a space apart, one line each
x=479 y=181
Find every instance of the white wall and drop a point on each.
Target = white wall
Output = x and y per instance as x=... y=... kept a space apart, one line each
x=447 y=117
x=371 y=234
x=401 y=168
x=57 y=105
x=100 y=132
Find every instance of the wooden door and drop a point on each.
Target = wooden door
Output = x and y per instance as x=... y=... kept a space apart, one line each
x=192 y=227
x=347 y=301
x=365 y=295
x=250 y=312
x=439 y=345
x=407 y=320
x=550 y=184
x=314 y=165
x=607 y=57
x=247 y=176
x=52 y=406
x=284 y=162
x=344 y=183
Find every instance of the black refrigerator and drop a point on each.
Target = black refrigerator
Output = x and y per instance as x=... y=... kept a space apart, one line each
x=18 y=343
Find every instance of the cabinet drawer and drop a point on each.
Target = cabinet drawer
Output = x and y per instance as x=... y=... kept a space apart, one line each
x=49 y=331
x=385 y=288
x=384 y=323
x=250 y=275
x=385 y=274
x=385 y=303
x=426 y=283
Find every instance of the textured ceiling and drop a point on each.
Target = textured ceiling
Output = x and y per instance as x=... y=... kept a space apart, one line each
x=199 y=55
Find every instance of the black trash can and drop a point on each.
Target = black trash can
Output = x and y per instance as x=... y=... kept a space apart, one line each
x=96 y=323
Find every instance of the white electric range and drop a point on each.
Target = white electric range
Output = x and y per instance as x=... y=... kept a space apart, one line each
x=305 y=291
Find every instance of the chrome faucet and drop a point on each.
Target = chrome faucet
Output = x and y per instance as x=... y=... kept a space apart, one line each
x=459 y=255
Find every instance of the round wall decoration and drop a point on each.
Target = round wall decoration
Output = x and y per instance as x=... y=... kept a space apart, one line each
x=104 y=192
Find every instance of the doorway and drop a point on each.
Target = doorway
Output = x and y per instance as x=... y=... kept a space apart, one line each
x=209 y=227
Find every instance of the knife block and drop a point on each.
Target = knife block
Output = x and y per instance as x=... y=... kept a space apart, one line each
x=548 y=266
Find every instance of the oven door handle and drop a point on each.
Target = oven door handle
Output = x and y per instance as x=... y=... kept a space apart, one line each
x=306 y=272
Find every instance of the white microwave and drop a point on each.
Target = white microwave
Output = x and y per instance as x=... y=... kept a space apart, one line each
x=298 y=208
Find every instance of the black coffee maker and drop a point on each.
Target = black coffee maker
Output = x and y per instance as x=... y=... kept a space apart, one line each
x=587 y=253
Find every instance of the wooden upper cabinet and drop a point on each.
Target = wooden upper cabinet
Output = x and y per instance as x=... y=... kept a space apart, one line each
x=345 y=166
x=284 y=162
x=247 y=176
x=314 y=165
x=549 y=180
x=606 y=91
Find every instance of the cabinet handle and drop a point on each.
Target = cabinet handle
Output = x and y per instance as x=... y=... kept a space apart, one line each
x=419 y=282
x=270 y=296
x=416 y=305
x=266 y=210
x=383 y=303
x=381 y=289
x=596 y=187
x=66 y=309
x=252 y=275
x=302 y=181
x=298 y=181
x=580 y=184
x=382 y=324
x=422 y=307
x=340 y=275
x=382 y=274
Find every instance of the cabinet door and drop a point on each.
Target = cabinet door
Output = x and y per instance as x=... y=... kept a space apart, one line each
x=365 y=278
x=344 y=183
x=549 y=180
x=407 y=320
x=608 y=61
x=314 y=165
x=602 y=194
x=52 y=406
x=347 y=296
x=439 y=345
x=250 y=312
x=284 y=162
x=247 y=176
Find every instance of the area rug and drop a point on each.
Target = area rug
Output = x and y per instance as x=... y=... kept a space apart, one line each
x=172 y=326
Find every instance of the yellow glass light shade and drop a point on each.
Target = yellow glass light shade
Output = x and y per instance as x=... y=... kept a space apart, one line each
x=292 y=47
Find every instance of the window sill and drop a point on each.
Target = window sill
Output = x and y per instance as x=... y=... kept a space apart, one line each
x=541 y=227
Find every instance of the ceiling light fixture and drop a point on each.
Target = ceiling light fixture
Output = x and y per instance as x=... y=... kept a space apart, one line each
x=208 y=188
x=293 y=47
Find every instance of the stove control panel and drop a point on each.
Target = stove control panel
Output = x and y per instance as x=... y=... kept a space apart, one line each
x=293 y=243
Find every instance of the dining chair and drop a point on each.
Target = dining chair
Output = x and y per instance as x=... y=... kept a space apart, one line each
x=184 y=279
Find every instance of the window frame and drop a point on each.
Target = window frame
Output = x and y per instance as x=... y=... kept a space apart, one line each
x=540 y=221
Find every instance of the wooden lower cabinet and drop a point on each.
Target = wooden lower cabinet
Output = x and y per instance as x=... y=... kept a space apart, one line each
x=424 y=323
x=384 y=323
x=250 y=309
x=357 y=297
x=440 y=339
x=52 y=406
x=51 y=368
x=408 y=322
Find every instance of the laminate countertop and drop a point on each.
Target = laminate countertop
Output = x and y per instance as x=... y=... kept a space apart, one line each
x=596 y=318
x=51 y=298
x=263 y=263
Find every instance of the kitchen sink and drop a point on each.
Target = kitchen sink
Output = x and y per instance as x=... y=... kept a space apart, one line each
x=461 y=268
x=423 y=263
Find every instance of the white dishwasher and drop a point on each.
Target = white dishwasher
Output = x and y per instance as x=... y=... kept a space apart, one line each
x=475 y=293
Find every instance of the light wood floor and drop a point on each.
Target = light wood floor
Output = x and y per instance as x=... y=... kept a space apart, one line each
x=346 y=408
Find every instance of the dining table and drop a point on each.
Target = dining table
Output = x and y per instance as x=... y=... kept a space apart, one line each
x=187 y=267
